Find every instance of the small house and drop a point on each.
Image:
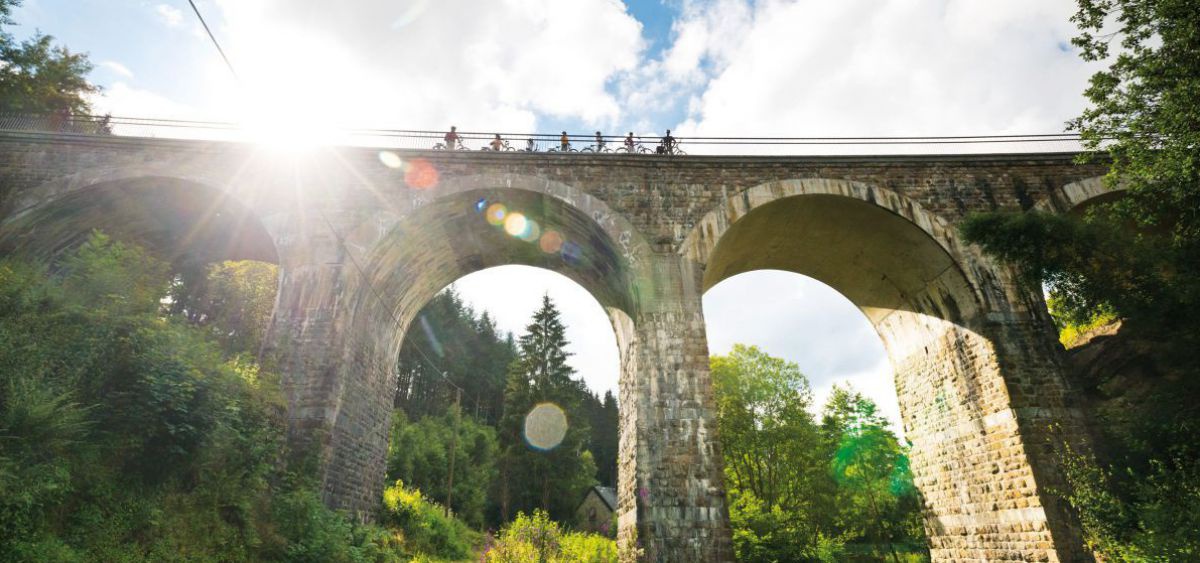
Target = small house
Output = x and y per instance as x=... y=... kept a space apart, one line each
x=596 y=510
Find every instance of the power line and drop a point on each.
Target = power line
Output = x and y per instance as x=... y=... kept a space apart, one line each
x=215 y=43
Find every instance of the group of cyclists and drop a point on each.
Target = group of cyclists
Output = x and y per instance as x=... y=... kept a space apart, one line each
x=667 y=145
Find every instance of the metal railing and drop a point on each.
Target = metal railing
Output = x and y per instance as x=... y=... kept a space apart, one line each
x=138 y=127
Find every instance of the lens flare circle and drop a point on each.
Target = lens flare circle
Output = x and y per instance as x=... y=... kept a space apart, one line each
x=551 y=242
x=390 y=159
x=496 y=213
x=572 y=253
x=516 y=224
x=532 y=231
x=545 y=426
x=420 y=174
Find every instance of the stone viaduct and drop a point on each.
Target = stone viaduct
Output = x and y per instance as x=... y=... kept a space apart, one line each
x=363 y=242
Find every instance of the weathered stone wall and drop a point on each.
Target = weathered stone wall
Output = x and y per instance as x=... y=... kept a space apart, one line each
x=361 y=250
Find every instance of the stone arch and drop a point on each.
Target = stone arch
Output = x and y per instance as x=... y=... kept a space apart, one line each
x=172 y=216
x=944 y=259
x=1077 y=195
x=966 y=356
x=619 y=229
x=439 y=239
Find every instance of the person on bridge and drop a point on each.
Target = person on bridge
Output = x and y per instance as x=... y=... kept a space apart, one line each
x=452 y=138
x=629 y=142
x=530 y=145
x=667 y=144
x=599 y=142
x=497 y=143
x=565 y=141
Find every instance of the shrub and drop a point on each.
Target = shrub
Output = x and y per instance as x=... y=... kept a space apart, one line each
x=424 y=525
x=537 y=538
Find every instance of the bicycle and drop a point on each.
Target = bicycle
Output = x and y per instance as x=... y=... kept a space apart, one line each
x=458 y=146
x=670 y=149
x=637 y=148
x=559 y=148
x=504 y=146
x=602 y=147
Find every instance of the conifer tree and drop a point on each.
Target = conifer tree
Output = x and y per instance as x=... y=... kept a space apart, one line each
x=553 y=479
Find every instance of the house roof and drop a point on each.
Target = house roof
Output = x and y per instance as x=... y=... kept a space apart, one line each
x=607 y=495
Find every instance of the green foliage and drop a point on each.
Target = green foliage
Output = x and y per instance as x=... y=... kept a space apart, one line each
x=553 y=480
x=419 y=452
x=799 y=491
x=603 y=441
x=1136 y=517
x=1136 y=258
x=467 y=349
x=770 y=441
x=37 y=76
x=1071 y=332
x=425 y=527
x=128 y=435
x=233 y=300
x=538 y=538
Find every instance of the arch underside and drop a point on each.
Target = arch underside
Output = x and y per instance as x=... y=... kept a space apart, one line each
x=426 y=250
x=173 y=219
x=451 y=237
x=954 y=401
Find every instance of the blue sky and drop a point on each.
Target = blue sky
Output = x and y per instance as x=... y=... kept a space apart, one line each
x=699 y=67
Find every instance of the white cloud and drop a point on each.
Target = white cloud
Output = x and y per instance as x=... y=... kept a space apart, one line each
x=117 y=68
x=169 y=15
x=512 y=293
x=482 y=66
x=860 y=67
x=123 y=100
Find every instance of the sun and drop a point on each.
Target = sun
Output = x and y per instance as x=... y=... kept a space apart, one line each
x=294 y=90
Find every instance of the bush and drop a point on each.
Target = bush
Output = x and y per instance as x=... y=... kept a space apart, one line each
x=537 y=538
x=424 y=526
x=128 y=434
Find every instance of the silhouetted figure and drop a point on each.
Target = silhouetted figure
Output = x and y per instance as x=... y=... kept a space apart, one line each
x=565 y=141
x=667 y=145
x=452 y=138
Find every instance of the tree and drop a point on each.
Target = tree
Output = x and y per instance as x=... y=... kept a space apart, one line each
x=776 y=470
x=1136 y=259
x=419 y=454
x=767 y=434
x=604 y=419
x=549 y=476
x=448 y=341
x=876 y=497
x=1140 y=255
x=39 y=77
x=232 y=299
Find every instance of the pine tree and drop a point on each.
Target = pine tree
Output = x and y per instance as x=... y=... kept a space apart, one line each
x=555 y=479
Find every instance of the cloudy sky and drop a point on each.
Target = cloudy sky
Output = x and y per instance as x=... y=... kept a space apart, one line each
x=699 y=67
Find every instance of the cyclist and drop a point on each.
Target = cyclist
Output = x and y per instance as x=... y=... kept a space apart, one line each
x=565 y=141
x=497 y=143
x=530 y=146
x=452 y=138
x=668 y=144
x=629 y=142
